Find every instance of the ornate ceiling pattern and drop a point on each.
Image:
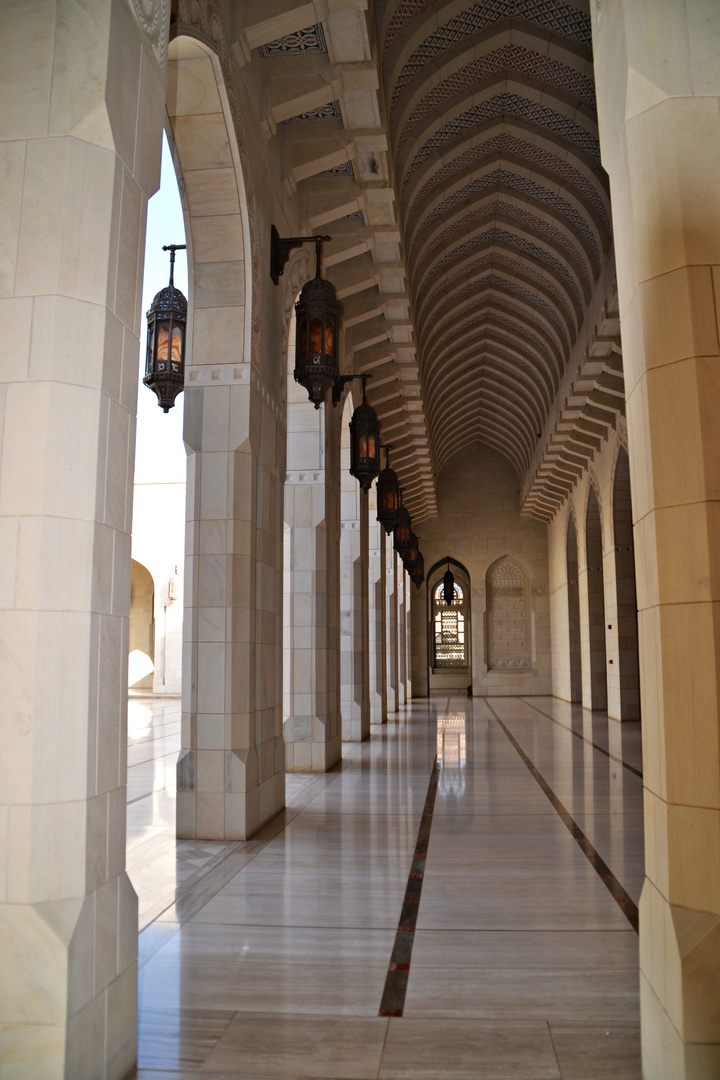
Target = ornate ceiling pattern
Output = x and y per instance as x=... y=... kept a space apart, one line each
x=504 y=208
x=451 y=150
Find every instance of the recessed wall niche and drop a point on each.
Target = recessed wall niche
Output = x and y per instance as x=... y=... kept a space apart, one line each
x=508 y=617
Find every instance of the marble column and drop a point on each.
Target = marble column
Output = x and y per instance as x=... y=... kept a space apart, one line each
x=313 y=739
x=401 y=582
x=354 y=628
x=658 y=82
x=378 y=639
x=231 y=768
x=82 y=92
x=391 y=667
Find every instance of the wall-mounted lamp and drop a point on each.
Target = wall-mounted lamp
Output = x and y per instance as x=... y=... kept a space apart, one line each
x=165 y=356
x=417 y=574
x=388 y=495
x=411 y=554
x=403 y=529
x=364 y=440
x=317 y=314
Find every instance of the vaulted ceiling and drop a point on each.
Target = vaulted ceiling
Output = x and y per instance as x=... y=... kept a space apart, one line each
x=451 y=149
x=503 y=203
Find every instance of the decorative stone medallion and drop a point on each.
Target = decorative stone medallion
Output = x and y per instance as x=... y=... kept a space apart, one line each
x=153 y=18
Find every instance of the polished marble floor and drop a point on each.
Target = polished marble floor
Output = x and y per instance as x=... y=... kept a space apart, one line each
x=270 y=958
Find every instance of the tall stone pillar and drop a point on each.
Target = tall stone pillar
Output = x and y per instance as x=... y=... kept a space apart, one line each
x=313 y=739
x=82 y=93
x=401 y=582
x=354 y=628
x=419 y=660
x=231 y=768
x=391 y=625
x=378 y=640
x=658 y=83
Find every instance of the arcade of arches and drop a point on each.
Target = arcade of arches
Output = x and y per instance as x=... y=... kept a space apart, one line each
x=523 y=202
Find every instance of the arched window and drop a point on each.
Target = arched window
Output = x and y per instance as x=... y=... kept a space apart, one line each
x=449 y=628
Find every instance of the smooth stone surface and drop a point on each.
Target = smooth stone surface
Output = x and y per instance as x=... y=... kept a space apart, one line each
x=269 y=957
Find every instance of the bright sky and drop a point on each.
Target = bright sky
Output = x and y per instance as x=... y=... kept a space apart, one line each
x=159 y=450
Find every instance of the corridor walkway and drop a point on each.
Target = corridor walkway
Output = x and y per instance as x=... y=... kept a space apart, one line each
x=271 y=958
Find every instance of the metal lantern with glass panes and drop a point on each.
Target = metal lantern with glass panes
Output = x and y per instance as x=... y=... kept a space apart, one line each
x=317 y=315
x=402 y=530
x=448 y=585
x=165 y=357
x=388 y=496
x=410 y=555
x=417 y=574
x=364 y=443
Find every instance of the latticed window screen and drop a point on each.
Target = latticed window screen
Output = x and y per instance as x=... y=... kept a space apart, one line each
x=449 y=629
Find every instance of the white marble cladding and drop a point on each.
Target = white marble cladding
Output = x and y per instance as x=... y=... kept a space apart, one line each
x=354 y=598
x=79 y=159
x=311 y=617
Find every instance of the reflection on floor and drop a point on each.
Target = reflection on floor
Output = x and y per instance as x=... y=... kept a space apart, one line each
x=269 y=958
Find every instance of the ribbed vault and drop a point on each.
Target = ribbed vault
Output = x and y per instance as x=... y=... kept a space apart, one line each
x=504 y=207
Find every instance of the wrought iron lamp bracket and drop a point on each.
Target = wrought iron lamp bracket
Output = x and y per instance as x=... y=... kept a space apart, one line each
x=281 y=246
x=343 y=380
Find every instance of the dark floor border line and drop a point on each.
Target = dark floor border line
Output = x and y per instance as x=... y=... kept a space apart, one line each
x=396 y=982
x=595 y=746
x=622 y=898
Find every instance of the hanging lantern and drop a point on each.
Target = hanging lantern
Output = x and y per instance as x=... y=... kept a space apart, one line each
x=448 y=586
x=388 y=496
x=402 y=531
x=417 y=574
x=412 y=551
x=317 y=312
x=165 y=357
x=364 y=443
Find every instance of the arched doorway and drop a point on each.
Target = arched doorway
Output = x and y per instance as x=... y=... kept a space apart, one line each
x=450 y=640
x=597 y=697
x=627 y=625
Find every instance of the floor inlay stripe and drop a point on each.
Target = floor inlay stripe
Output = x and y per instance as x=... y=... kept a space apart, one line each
x=622 y=898
x=577 y=735
x=393 y=999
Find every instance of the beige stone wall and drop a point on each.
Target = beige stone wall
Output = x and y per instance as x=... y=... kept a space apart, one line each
x=600 y=478
x=658 y=83
x=479 y=524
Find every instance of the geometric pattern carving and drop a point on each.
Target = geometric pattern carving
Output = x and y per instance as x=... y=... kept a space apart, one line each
x=309 y=40
x=537 y=345
x=560 y=18
x=508 y=646
x=523 y=271
x=493 y=356
x=550 y=233
x=511 y=58
x=346 y=169
x=517 y=320
x=494 y=281
x=404 y=12
x=515 y=105
x=323 y=112
x=512 y=145
x=502 y=236
x=520 y=183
